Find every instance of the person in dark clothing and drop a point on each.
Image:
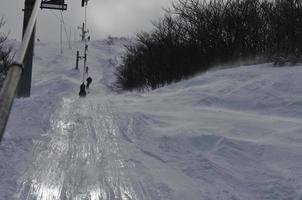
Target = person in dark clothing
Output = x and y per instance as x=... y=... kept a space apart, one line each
x=89 y=81
x=82 y=92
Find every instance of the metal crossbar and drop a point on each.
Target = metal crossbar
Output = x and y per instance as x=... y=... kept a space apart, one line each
x=54 y=4
x=9 y=88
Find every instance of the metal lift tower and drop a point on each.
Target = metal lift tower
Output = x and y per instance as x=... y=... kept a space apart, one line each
x=24 y=87
x=25 y=81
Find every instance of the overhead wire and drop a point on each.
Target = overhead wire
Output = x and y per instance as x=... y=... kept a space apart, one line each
x=61 y=19
x=68 y=38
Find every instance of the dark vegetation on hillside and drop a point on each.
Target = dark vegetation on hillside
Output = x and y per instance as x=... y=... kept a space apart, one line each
x=5 y=54
x=195 y=35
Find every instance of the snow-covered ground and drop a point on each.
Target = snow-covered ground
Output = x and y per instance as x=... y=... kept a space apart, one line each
x=232 y=134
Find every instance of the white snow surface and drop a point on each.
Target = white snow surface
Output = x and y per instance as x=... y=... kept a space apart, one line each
x=231 y=134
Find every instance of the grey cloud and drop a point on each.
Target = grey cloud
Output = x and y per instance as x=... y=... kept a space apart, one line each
x=105 y=17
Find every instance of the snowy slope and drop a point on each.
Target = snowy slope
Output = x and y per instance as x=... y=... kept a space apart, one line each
x=224 y=135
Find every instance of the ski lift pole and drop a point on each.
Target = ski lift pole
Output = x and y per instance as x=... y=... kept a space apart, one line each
x=85 y=63
x=77 y=60
x=61 y=36
x=24 y=87
x=9 y=88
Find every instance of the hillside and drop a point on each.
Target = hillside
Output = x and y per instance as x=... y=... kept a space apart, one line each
x=231 y=134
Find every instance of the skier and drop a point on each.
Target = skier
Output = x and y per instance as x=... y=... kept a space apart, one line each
x=82 y=92
x=89 y=81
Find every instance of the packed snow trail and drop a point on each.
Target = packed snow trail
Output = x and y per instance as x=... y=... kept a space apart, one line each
x=81 y=157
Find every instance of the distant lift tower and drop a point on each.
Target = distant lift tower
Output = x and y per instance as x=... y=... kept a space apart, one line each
x=24 y=87
x=83 y=28
x=83 y=31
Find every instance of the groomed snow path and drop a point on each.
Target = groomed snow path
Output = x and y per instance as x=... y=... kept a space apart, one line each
x=83 y=157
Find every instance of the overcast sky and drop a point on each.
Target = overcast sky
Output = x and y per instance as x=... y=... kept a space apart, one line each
x=105 y=17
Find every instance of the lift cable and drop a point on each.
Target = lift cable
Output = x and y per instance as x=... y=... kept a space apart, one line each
x=68 y=38
x=62 y=20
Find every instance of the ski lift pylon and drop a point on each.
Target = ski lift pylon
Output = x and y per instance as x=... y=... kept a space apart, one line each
x=54 y=4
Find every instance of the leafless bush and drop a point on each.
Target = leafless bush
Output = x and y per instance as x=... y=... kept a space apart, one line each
x=5 y=54
x=195 y=35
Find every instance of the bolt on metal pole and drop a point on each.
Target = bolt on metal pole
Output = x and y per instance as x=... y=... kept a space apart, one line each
x=24 y=87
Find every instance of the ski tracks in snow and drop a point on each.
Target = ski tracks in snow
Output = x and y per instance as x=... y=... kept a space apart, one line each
x=82 y=157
